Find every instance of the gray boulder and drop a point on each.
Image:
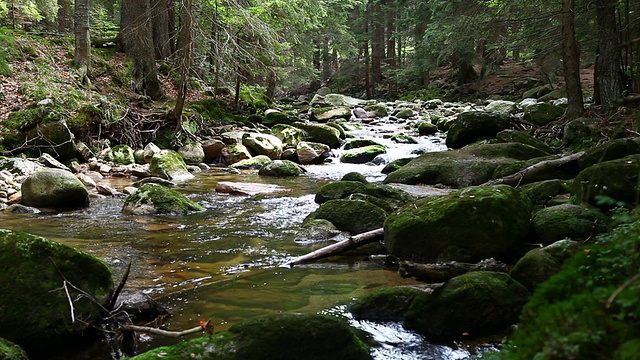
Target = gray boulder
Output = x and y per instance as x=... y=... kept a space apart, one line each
x=321 y=133
x=543 y=113
x=263 y=144
x=192 y=153
x=312 y=153
x=255 y=163
x=289 y=136
x=234 y=153
x=54 y=188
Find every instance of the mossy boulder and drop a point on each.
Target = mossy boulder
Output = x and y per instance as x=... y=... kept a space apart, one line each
x=321 y=133
x=385 y=304
x=263 y=144
x=542 y=192
x=503 y=108
x=395 y=165
x=54 y=138
x=281 y=168
x=611 y=150
x=192 y=153
x=403 y=139
x=377 y=110
x=539 y=265
x=470 y=305
x=152 y=199
x=312 y=152
x=354 y=176
x=386 y=197
x=542 y=113
x=354 y=216
x=289 y=136
x=276 y=337
x=614 y=181
x=363 y=154
x=472 y=165
x=255 y=163
x=512 y=136
x=483 y=222
x=274 y=117
x=571 y=221
x=317 y=230
x=11 y=351
x=54 y=188
x=426 y=128
x=577 y=130
x=359 y=142
x=168 y=164
x=120 y=155
x=404 y=113
x=471 y=126
x=34 y=309
x=234 y=153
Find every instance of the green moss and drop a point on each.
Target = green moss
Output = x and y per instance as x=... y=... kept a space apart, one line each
x=255 y=96
x=34 y=310
x=385 y=304
x=163 y=199
x=568 y=316
x=213 y=112
x=11 y=351
x=362 y=154
x=354 y=216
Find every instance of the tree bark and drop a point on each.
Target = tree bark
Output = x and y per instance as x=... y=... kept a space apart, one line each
x=82 y=54
x=136 y=38
x=339 y=247
x=161 y=32
x=377 y=46
x=184 y=64
x=608 y=63
x=571 y=60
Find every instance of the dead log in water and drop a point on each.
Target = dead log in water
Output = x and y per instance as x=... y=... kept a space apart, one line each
x=441 y=272
x=339 y=247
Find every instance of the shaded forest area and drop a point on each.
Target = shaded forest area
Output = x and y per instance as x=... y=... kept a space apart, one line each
x=179 y=50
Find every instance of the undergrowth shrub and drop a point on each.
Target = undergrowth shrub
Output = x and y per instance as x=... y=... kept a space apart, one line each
x=587 y=311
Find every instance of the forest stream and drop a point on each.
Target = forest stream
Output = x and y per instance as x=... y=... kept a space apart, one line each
x=225 y=264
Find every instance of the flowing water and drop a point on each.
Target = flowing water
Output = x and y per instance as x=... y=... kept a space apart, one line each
x=225 y=264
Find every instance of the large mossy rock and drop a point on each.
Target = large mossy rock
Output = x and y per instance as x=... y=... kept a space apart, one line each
x=168 y=164
x=611 y=150
x=511 y=136
x=613 y=181
x=321 y=133
x=542 y=113
x=539 y=265
x=281 y=168
x=386 y=197
x=471 y=126
x=470 y=305
x=263 y=144
x=385 y=304
x=274 y=117
x=472 y=165
x=325 y=114
x=157 y=199
x=255 y=163
x=120 y=155
x=234 y=153
x=54 y=188
x=34 y=309
x=360 y=142
x=11 y=351
x=480 y=222
x=363 y=154
x=564 y=221
x=542 y=192
x=274 y=337
x=354 y=216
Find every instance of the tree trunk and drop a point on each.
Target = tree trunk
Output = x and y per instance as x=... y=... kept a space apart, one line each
x=184 y=65
x=82 y=54
x=571 y=60
x=326 y=60
x=609 y=58
x=136 y=39
x=161 y=31
x=367 y=58
x=377 y=46
x=65 y=16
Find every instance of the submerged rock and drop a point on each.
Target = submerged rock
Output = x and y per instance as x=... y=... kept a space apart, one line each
x=274 y=336
x=34 y=310
x=157 y=199
x=54 y=188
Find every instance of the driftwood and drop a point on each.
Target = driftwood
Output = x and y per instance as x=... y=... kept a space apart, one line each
x=441 y=272
x=530 y=174
x=339 y=247
x=204 y=326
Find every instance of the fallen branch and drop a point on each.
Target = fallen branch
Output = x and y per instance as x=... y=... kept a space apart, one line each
x=533 y=172
x=339 y=247
x=204 y=326
x=114 y=297
x=441 y=272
